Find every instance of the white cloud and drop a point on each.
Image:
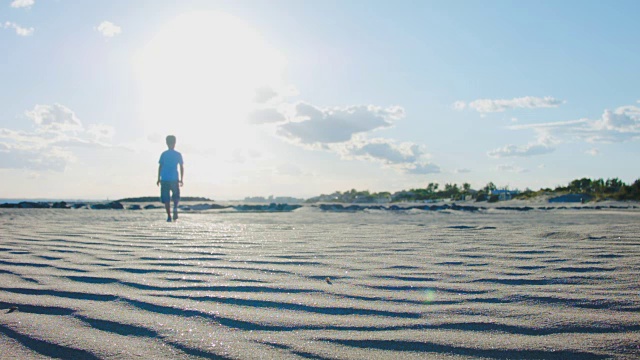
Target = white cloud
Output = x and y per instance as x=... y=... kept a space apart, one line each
x=500 y=105
x=264 y=94
x=551 y=125
x=108 y=29
x=101 y=132
x=24 y=150
x=459 y=105
x=33 y=158
x=511 y=168
x=54 y=117
x=406 y=157
x=22 y=3
x=593 y=152
x=345 y=130
x=521 y=151
x=312 y=125
x=386 y=151
x=266 y=116
x=422 y=169
x=462 y=171
x=52 y=144
x=623 y=119
x=619 y=125
x=18 y=29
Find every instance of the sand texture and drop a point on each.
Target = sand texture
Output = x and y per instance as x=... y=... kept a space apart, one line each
x=87 y=284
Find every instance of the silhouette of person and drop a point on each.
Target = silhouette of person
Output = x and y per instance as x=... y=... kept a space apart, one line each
x=168 y=179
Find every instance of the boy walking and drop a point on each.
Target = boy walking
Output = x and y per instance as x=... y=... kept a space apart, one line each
x=168 y=179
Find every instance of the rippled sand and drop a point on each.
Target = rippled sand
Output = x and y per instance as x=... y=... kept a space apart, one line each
x=559 y=284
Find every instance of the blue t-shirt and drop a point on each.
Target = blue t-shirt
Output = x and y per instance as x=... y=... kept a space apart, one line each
x=169 y=161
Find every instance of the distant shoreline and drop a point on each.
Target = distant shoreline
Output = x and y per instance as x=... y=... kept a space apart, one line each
x=463 y=206
x=157 y=198
x=583 y=190
x=93 y=201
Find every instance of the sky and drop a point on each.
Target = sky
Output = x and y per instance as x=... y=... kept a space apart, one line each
x=302 y=98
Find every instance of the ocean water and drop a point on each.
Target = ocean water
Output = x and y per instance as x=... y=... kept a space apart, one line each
x=15 y=201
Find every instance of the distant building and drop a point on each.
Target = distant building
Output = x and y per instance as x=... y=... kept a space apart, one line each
x=571 y=198
x=470 y=195
x=504 y=194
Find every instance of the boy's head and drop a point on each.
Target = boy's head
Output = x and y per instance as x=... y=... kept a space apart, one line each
x=171 y=141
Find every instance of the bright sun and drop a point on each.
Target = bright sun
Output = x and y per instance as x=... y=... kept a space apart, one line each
x=198 y=77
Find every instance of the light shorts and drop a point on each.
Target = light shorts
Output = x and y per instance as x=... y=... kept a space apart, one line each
x=169 y=186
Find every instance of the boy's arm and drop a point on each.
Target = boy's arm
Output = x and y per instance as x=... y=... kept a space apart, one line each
x=159 y=169
x=181 y=174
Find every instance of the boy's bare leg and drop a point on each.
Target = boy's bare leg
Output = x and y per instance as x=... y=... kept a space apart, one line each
x=175 y=210
x=167 y=206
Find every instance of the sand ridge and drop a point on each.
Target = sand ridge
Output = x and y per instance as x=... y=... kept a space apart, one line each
x=308 y=284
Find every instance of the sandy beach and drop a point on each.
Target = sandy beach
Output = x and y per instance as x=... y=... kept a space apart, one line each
x=87 y=284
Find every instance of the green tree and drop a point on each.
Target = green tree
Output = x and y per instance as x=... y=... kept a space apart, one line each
x=583 y=185
x=489 y=187
x=613 y=185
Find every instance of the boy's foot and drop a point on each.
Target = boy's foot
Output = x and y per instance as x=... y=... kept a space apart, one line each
x=175 y=213
x=168 y=218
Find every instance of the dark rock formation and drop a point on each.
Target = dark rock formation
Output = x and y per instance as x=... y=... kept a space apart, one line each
x=60 y=205
x=273 y=207
x=34 y=205
x=511 y=208
x=200 y=207
x=114 y=205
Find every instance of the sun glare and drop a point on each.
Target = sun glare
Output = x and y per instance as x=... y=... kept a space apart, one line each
x=198 y=77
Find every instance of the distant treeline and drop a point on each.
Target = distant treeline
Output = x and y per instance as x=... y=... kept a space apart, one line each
x=597 y=189
x=433 y=191
x=157 y=198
